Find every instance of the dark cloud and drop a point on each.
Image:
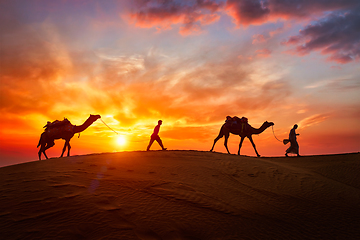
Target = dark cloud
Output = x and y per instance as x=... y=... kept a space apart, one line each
x=337 y=35
x=306 y=8
x=247 y=12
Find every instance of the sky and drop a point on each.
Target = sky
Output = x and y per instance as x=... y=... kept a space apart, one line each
x=189 y=63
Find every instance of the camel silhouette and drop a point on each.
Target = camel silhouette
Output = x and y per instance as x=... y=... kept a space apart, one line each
x=226 y=129
x=65 y=132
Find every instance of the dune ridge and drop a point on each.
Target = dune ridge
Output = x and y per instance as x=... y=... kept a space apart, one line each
x=181 y=195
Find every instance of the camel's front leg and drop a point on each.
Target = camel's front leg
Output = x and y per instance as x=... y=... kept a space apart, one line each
x=215 y=140
x=66 y=145
x=226 y=141
x=253 y=144
x=240 y=144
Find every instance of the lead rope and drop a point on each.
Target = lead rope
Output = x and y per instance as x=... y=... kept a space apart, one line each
x=109 y=127
x=274 y=134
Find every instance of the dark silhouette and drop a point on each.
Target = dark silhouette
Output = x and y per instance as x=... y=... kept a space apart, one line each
x=155 y=137
x=61 y=130
x=294 y=146
x=241 y=128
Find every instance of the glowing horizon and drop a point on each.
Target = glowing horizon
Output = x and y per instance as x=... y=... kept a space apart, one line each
x=189 y=63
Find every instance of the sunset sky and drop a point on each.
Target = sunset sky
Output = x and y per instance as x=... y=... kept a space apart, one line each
x=190 y=63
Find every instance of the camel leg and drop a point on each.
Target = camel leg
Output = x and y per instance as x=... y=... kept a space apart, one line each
x=215 y=140
x=44 y=147
x=240 y=144
x=42 y=150
x=64 y=148
x=69 y=147
x=226 y=141
x=253 y=144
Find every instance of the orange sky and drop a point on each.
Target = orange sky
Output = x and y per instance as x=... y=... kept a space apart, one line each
x=189 y=64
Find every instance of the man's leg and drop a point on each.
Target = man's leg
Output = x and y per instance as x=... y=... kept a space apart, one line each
x=160 y=143
x=150 y=143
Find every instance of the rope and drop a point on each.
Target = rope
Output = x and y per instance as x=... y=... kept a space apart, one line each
x=109 y=127
x=274 y=134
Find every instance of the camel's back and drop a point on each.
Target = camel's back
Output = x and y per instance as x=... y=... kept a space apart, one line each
x=64 y=131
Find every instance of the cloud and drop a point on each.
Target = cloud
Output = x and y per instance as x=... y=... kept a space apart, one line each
x=313 y=120
x=246 y=12
x=263 y=53
x=191 y=15
x=336 y=35
x=256 y=12
x=259 y=38
x=343 y=84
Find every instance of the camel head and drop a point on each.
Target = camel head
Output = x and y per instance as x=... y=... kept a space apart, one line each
x=268 y=124
x=93 y=118
x=271 y=123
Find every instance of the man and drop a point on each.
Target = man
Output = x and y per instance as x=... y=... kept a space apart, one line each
x=155 y=136
x=294 y=147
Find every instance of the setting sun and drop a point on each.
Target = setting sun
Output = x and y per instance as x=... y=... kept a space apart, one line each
x=121 y=140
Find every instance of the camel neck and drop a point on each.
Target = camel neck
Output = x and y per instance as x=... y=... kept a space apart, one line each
x=83 y=126
x=261 y=129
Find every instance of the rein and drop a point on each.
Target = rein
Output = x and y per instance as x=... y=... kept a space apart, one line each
x=274 y=134
x=109 y=127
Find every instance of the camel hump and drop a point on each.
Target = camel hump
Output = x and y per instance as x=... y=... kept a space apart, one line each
x=57 y=123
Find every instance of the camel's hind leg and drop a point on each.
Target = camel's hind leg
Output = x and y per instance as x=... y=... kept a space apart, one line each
x=42 y=150
x=253 y=144
x=226 y=141
x=44 y=147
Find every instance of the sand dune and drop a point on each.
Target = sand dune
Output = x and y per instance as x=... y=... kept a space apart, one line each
x=181 y=195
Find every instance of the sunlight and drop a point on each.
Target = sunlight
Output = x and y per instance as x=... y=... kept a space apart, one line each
x=121 y=140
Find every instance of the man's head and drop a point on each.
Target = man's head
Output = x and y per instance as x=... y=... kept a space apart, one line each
x=159 y=122
x=295 y=126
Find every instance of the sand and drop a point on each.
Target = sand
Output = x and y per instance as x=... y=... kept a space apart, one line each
x=181 y=195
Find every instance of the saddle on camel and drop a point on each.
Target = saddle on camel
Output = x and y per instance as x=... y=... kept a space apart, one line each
x=54 y=128
x=237 y=124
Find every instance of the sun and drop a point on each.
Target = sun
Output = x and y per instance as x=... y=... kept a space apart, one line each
x=121 y=140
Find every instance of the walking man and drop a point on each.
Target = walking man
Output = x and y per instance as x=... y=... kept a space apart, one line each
x=294 y=146
x=155 y=136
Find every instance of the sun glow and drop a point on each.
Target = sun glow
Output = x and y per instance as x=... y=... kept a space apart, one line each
x=121 y=140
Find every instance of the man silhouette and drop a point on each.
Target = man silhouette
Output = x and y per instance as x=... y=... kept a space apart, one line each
x=155 y=136
x=294 y=147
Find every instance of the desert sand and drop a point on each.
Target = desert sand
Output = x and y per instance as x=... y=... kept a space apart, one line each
x=181 y=195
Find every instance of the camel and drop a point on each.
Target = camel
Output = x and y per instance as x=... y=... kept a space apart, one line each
x=248 y=132
x=65 y=132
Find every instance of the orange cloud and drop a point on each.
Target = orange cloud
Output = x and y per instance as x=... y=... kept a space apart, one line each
x=264 y=53
x=313 y=120
x=190 y=16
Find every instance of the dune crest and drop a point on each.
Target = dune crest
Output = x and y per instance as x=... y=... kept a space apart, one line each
x=181 y=195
